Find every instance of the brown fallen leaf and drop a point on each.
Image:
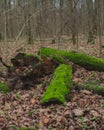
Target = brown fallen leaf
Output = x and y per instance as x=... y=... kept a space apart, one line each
x=71 y=128
x=3 y=121
x=17 y=70
x=78 y=112
x=94 y=113
x=79 y=80
x=86 y=92
x=46 y=120
x=33 y=101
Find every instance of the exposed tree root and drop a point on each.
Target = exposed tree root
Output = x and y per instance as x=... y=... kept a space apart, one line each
x=27 y=69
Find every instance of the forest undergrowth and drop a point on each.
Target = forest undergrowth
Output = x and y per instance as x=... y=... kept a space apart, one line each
x=83 y=110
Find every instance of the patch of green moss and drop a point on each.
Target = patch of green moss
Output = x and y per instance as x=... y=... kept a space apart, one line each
x=37 y=57
x=99 y=89
x=4 y=88
x=60 y=85
x=1 y=69
x=26 y=55
x=102 y=45
x=84 y=60
x=26 y=129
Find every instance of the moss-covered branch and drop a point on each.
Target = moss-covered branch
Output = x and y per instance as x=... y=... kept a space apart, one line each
x=25 y=128
x=94 y=88
x=84 y=60
x=60 y=85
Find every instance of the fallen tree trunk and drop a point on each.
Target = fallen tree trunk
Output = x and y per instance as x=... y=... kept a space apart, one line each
x=84 y=60
x=60 y=85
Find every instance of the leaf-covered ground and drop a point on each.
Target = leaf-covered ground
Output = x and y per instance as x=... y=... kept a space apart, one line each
x=83 y=110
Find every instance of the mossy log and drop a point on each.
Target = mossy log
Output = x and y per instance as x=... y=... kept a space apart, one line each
x=54 y=54
x=94 y=88
x=4 y=88
x=25 y=128
x=60 y=85
x=84 y=60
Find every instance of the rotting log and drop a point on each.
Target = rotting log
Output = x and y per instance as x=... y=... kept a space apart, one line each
x=4 y=88
x=29 y=68
x=84 y=60
x=95 y=88
x=60 y=85
x=32 y=66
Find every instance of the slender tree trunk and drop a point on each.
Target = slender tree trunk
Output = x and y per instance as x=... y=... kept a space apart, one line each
x=30 y=36
x=5 y=21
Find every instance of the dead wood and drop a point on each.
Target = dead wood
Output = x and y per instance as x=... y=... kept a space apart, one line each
x=28 y=68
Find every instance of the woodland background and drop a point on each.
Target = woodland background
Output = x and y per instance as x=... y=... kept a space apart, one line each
x=52 y=21
x=72 y=25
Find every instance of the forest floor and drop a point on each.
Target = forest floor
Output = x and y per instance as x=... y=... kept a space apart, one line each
x=83 y=110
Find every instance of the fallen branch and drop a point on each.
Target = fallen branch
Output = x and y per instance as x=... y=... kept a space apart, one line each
x=93 y=88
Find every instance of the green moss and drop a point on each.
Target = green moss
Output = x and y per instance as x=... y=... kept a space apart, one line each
x=26 y=55
x=48 y=52
x=60 y=85
x=102 y=45
x=1 y=69
x=4 y=88
x=26 y=129
x=84 y=60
